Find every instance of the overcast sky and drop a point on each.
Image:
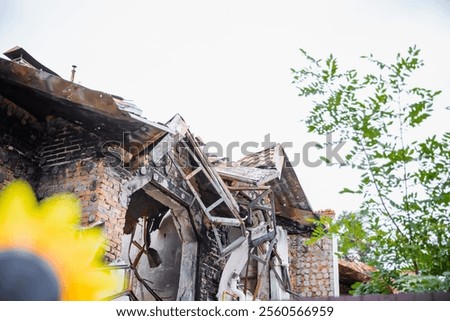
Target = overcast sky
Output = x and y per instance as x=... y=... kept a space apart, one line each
x=225 y=65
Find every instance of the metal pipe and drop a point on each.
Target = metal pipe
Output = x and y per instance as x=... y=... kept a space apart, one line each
x=72 y=76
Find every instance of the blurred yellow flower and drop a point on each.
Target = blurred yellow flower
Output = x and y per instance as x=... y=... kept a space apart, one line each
x=50 y=231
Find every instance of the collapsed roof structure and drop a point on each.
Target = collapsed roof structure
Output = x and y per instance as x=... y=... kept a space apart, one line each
x=187 y=225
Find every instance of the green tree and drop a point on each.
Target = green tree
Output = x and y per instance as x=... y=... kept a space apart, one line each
x=404 y=219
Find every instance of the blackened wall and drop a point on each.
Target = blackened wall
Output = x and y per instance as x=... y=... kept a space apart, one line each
x=56 y=156
x=19 y=137
x=210 y=268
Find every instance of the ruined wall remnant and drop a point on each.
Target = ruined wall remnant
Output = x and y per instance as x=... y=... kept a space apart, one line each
x=56 y=156
x=311 y=267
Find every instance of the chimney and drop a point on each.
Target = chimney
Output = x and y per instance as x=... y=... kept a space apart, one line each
x=72 y=76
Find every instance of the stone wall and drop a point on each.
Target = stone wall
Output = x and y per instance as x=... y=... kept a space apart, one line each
x=19 y=135
x=311 y=267
x=13 y=166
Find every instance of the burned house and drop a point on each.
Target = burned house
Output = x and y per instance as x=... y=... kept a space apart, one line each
x=183 y=224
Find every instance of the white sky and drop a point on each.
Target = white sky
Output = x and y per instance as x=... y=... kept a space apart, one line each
x=225 y=65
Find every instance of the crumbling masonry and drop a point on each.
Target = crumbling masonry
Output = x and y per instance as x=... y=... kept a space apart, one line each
x=180 y=224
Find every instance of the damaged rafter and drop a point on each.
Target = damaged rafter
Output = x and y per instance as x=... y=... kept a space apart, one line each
x=294 y=227
x=219 y=187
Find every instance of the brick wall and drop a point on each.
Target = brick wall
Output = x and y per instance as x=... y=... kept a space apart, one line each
x=97 y=187
x=109 y=209
x=68 y=163
x=71 y=161
x=311 y=267
x=56 y=156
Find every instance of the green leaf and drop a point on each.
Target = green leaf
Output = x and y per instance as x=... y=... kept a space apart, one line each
x=347 y=190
